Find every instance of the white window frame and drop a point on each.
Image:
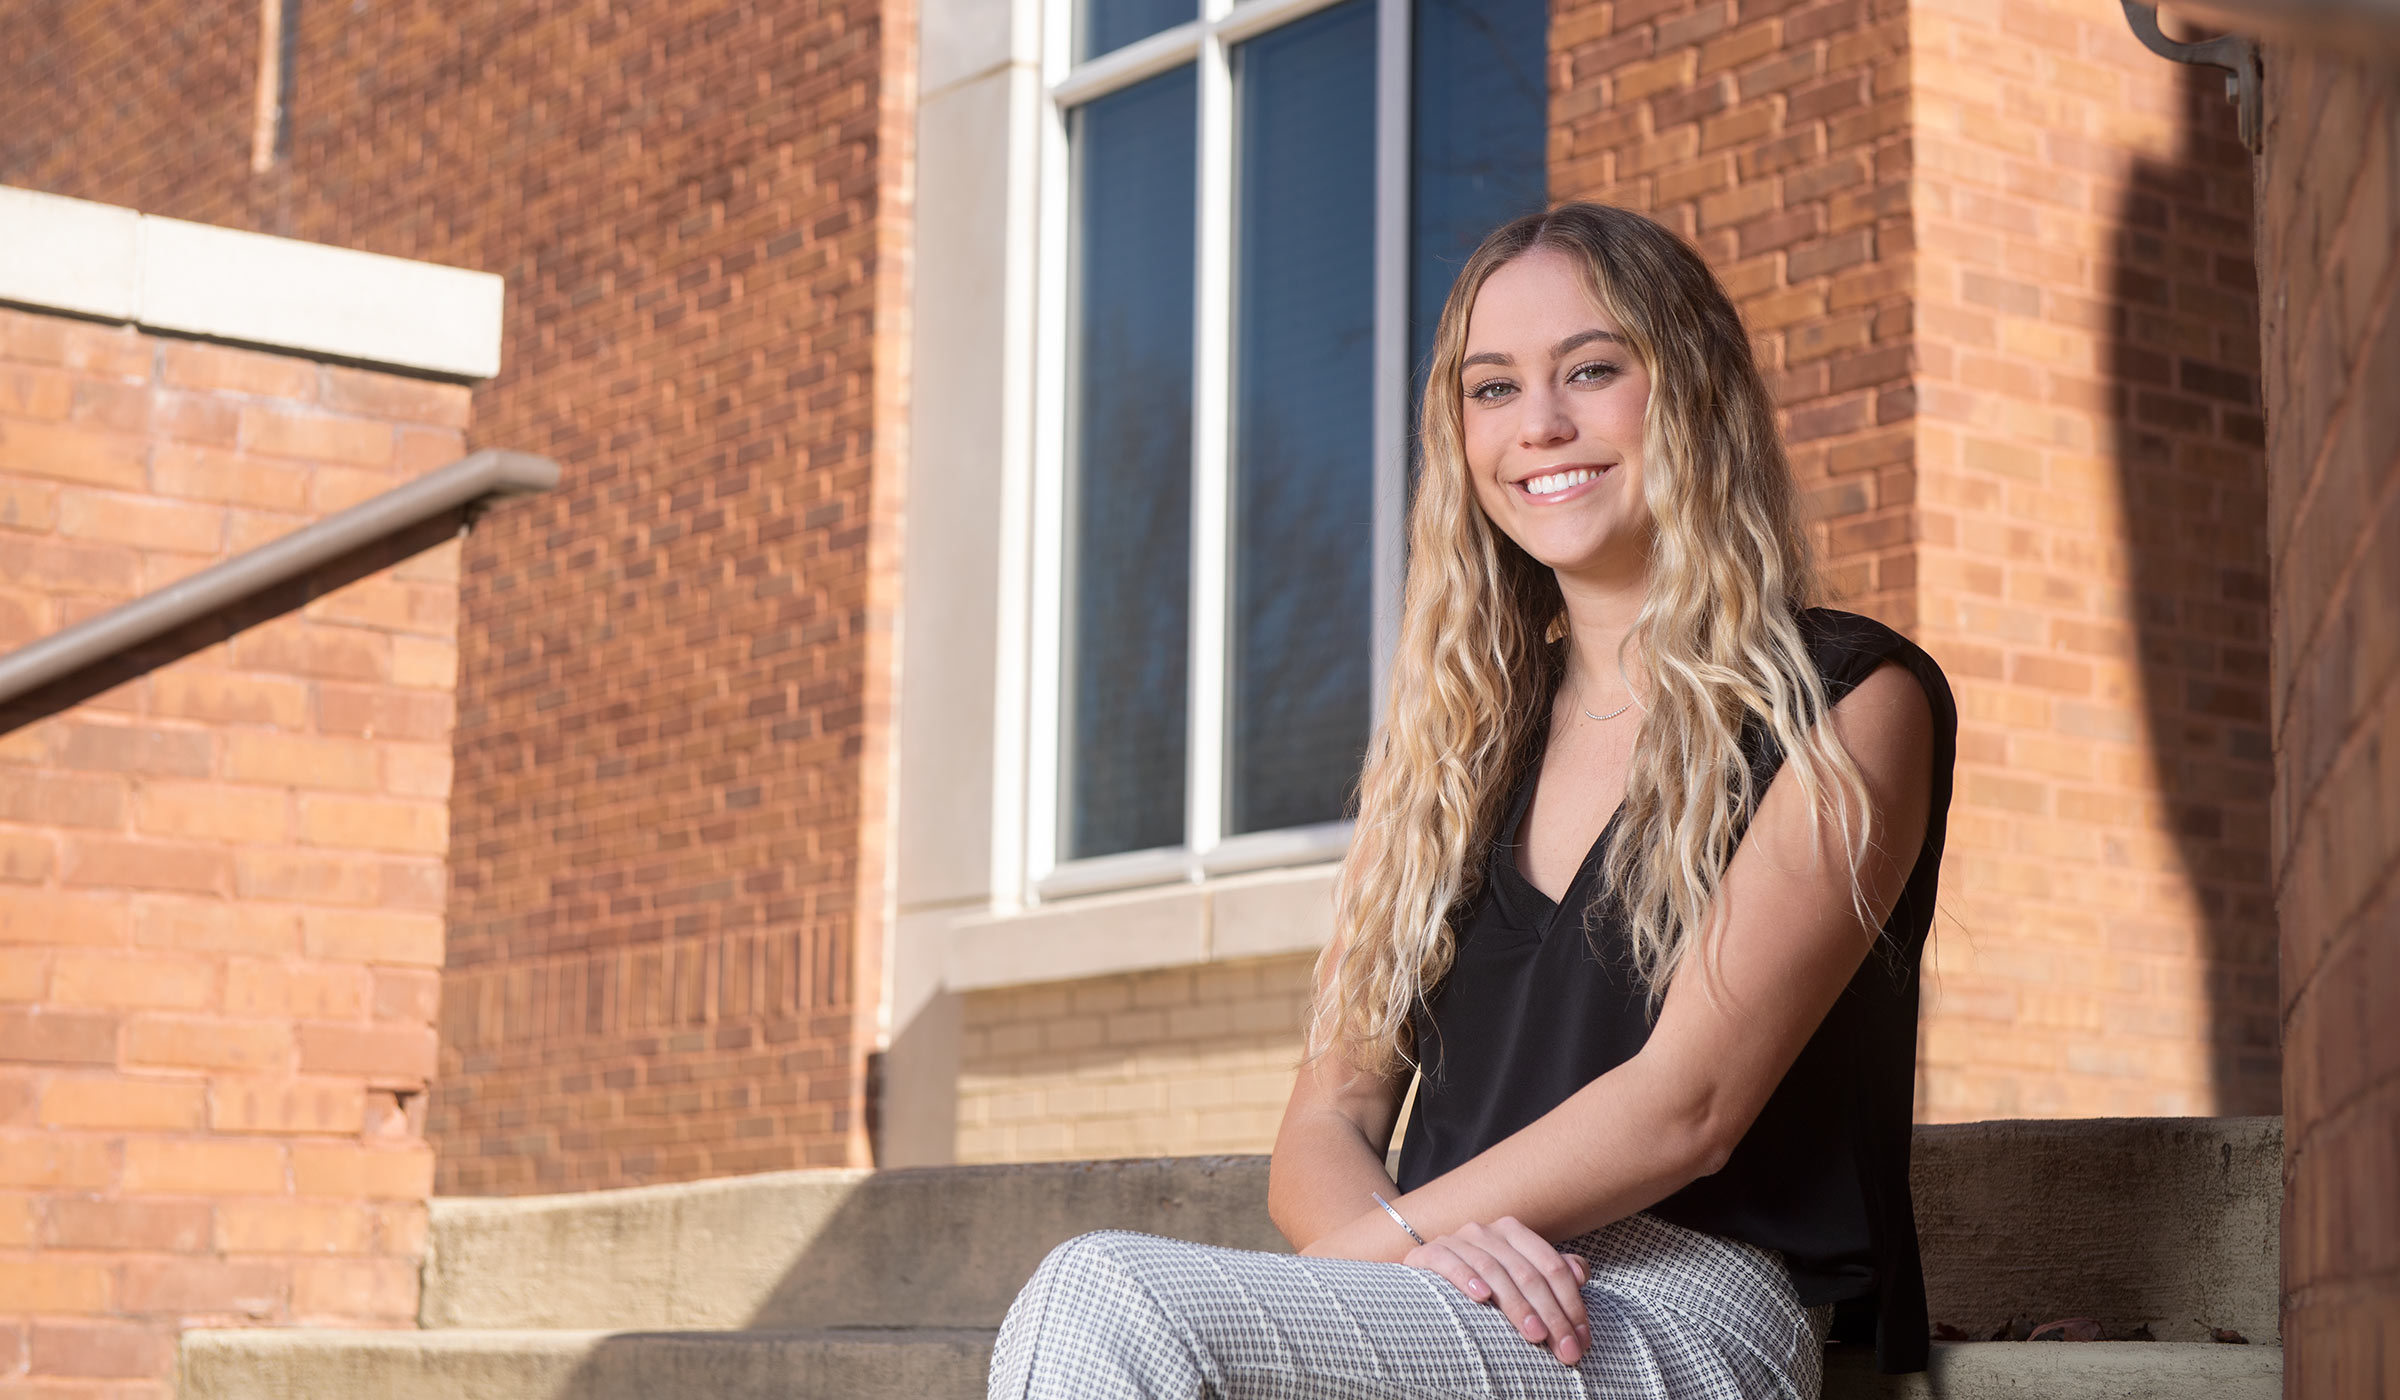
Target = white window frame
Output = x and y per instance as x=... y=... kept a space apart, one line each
x=1207 y=41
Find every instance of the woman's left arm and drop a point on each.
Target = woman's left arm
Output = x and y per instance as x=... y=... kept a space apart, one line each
x=1790 y=939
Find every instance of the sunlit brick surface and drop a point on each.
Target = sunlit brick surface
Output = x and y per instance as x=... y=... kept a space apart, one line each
x=221 y=884
x=2329 y=225
x=667 y=842
x=1773 y=134
x=1997 y=261
x=1994 y=255
x=2092 y=571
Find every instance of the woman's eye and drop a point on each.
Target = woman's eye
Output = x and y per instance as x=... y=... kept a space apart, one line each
x=1593 y=373
x=1490 y=390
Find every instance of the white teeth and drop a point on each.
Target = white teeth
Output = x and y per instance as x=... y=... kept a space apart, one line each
x=1555 y=482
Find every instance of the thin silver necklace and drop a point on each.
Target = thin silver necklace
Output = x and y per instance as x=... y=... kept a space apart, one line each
x=1612 y=714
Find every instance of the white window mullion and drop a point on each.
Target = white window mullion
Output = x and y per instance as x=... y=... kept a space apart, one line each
x=1045 y=678
x=1145 y=58
x=1212 y=362
x=1254 y=17
x=1029 y=414
x=1393 y=32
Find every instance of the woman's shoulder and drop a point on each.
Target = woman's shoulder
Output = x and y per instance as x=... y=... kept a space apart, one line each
x=1848 y=647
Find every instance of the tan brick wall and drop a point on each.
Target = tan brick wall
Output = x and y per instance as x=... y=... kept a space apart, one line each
x=670 y=749
x=1175 y=1063
x=2329 y=225
x=221 y=884
x=2092 y=571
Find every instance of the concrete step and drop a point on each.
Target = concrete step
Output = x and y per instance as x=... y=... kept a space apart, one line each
x=582 y=1364
x=2164 y=1224
x=929 y=1364
x=817 y=1249
x=2066 y=1371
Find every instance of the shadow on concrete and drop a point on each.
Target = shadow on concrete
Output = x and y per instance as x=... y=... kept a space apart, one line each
x=2181 y=355
x=844 y=1283
x=943 y=1252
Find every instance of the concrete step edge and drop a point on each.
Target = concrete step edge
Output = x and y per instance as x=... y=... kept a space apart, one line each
x=2164 y=1223
x=584 y=1363
x=2065 y=1371
x=870 y=1363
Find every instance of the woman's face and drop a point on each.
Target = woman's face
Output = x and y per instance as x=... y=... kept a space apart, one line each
x=1552 y=402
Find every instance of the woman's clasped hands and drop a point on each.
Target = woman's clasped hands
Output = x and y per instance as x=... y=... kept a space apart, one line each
x=1520 y=1273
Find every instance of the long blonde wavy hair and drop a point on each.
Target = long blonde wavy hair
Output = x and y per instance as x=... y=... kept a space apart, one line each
x=1478 y=658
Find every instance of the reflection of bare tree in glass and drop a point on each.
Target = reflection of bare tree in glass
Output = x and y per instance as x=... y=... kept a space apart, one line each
x=1102 y=26
x=1129 y=587
x=1303 y=616
x=1129 y=513
x=1303 y=423
x=1478 y=145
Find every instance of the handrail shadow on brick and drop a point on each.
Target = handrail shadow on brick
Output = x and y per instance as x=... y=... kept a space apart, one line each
x=69 y=667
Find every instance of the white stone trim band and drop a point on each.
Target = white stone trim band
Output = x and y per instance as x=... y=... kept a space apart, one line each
x=1245 y=916
x=163 y=274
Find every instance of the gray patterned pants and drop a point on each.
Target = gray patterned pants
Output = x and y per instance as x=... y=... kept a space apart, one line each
x=1675 y=1315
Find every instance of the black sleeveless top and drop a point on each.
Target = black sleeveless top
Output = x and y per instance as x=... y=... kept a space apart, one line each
x=1532 y=1010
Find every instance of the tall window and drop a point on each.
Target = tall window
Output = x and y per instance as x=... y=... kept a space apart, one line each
x=1263 y=205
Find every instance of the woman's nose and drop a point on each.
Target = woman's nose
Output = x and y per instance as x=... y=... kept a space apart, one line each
x=1545 y=422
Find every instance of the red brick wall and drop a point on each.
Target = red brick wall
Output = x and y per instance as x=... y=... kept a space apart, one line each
x=2328 y=227
x=221 y=883
x=673 y=668
x=1773 y=133
x=1996 y=257
x=2093 y=568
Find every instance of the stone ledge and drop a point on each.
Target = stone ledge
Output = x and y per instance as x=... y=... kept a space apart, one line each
x=1256 y=914
x=2165 y=1224
x=304 y=1364
x=162 y=274
x=941 y=1363
x=2065 y=1371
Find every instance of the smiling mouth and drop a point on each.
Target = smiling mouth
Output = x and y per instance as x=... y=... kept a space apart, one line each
x=1552 y=483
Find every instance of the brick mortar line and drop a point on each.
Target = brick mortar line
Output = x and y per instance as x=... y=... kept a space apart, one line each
x=2371 y=1287
x=2328 y=1112
x=2319 y=307
x=2349 y=923
x=2341 y=591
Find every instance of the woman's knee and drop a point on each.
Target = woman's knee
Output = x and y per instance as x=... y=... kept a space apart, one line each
x=1093 y=1252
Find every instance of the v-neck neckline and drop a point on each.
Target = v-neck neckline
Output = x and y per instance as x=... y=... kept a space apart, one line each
x=1536 y=911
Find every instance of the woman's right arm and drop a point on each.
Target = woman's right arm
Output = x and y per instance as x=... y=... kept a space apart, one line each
x=1329 y=1153
x=1328 y=1166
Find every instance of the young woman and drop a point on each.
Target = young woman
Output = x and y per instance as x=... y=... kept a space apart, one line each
x=1644 y=860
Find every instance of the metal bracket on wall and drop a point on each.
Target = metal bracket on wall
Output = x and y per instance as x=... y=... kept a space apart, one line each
x=2231 y=52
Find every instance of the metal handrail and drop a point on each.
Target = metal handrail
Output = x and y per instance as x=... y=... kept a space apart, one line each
x=465 y=485
x=2234 y=53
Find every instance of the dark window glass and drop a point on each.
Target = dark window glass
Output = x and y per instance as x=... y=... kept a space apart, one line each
x=1303 y=471
x=1480 y=115
x=1102 y=26
x=1129 y=466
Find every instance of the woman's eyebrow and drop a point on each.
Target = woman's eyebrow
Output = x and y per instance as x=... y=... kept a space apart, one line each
x=1564 y=347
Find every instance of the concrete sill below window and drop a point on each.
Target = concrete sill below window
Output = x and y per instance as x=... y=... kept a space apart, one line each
x=1256 y=915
